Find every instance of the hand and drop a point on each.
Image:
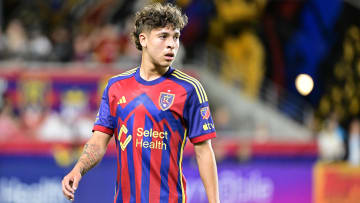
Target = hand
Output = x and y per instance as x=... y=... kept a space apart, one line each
x=70 y=183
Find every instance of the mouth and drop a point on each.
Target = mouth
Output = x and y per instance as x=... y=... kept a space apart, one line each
x=169 y=56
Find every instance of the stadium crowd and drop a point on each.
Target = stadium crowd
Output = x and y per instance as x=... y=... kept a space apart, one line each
x=103 y=45
x=246 y=42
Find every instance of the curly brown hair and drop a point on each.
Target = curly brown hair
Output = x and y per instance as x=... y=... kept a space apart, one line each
x=157 y=16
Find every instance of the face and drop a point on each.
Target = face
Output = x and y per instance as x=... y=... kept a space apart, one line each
x=160 y=45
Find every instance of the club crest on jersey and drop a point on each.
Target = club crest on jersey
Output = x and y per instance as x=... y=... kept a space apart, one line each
x=205 y=112
x=166 y=100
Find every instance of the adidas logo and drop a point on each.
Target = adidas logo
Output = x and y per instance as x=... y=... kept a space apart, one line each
x=122 y=100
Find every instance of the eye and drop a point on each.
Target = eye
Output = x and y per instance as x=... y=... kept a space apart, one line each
x=176 y=37
x=162 y=36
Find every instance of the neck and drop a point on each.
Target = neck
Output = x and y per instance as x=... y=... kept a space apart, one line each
x=150 y=71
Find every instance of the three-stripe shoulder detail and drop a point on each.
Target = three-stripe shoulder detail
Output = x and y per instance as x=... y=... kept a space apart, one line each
x=195 y=83
x=126 y=73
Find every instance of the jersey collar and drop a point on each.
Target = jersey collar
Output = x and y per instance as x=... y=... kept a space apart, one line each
x=152 y=82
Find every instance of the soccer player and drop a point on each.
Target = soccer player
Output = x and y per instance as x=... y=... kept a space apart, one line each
x=151 y=111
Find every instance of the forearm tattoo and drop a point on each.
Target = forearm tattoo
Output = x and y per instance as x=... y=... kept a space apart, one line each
x=90 y=156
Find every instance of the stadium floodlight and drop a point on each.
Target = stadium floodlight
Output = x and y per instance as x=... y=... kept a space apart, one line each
x=304 y=84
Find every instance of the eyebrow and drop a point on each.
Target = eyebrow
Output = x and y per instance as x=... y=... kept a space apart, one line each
x=168 y=33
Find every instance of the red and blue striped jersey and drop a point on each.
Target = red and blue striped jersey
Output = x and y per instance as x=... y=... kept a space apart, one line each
x=151 y=122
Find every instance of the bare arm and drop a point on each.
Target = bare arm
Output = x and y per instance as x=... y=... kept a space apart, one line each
x=92 y=154
x=208 y=171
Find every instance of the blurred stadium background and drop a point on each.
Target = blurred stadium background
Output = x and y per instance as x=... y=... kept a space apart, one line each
x=282 y=77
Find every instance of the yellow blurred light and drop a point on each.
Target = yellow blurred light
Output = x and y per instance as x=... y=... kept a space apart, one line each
x=304 y=84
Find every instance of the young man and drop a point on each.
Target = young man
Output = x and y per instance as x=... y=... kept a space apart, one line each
x=152 y=110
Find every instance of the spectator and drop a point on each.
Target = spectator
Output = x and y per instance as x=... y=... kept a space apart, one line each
x=222 y=118
x=16 y=41
x=106 y=45
x=128 y=51
x=54 y=128
x=82 y=48
x=39 y=46
x=354 y=142
x=8 y=124
x=2 y=45
x=62 y=50
x=331 y=141
x=31 y=118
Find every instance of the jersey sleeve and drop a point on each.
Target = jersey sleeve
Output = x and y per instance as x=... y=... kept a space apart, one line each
x=198 y=119
x=104 y=120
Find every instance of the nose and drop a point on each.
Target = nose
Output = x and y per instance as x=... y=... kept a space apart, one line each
x=171 y=43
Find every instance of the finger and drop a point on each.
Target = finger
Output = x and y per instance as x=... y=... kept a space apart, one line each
x=69 y=188
x=67 y=193
x=75 y=183
x=67 y=185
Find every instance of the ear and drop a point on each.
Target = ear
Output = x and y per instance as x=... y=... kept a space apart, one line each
x=143 y=39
